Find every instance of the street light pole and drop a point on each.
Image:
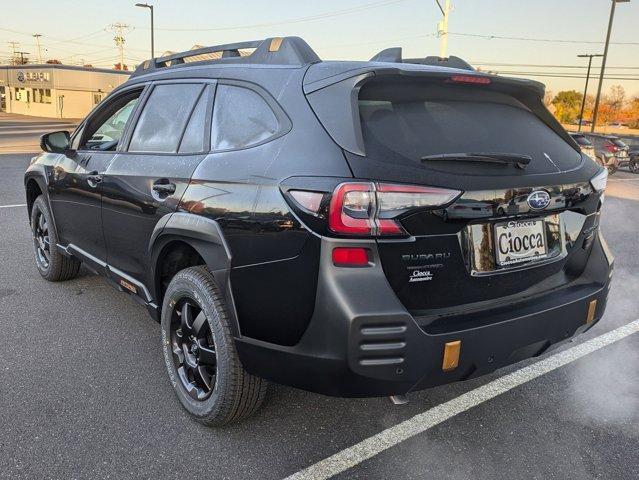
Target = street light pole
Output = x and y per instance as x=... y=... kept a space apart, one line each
x=603 y=62
x=583 y=100
x=442 y=29
x=150 y=7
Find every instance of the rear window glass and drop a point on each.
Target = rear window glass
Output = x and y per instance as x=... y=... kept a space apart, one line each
x=618 y=143
x=409 y=120
x=241 y=119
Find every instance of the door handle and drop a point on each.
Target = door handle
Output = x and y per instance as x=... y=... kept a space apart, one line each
x=93 y=178
x=164 y=188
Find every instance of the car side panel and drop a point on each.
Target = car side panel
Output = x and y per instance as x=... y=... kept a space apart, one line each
x=273 y=254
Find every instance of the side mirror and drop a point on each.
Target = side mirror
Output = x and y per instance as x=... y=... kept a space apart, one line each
x=55 y=142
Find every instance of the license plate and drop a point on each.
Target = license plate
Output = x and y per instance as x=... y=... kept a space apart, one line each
x=520 y=241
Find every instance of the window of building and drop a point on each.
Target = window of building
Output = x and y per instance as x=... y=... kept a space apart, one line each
x=22 y=94
x=164 y=118
x=241 y=119
x=42 y=95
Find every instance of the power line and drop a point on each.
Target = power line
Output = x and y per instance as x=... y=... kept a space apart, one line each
x=537 y=65
x=528 y=39
x=559 y=75
x=309 y=18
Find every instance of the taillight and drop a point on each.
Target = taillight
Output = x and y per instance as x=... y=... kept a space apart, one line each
x=372 y=209
x=611 y=148
x=308 y=200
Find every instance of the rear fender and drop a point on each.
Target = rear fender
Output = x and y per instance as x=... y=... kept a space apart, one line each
x=206 y=237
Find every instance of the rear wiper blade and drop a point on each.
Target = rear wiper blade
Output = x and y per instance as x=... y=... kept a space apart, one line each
x=516 y=159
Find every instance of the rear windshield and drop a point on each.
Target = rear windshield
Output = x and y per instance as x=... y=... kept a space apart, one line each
x=409 y=120
x=581 y=140
x=618 y=143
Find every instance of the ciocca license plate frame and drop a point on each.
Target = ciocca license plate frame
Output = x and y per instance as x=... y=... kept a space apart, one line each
x=520 y=241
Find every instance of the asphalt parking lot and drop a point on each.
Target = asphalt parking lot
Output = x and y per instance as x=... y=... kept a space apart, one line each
x=84 y=393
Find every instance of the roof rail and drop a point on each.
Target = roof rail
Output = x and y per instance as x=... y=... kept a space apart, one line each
x=271 y=51
x=394 y=55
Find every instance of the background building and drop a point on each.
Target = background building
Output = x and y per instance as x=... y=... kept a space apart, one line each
x=58 y=91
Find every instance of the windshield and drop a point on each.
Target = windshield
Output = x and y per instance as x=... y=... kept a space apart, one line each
x=407 y=121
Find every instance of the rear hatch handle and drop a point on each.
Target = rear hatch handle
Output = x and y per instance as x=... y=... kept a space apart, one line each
x=517 y=159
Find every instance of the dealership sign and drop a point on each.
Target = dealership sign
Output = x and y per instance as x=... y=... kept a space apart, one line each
x=35 y=77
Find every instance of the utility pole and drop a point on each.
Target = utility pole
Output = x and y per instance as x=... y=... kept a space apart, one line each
x=37 y=38
x=589 y=56
x=603 y=62
x=120 y=29
x=442 y=29
x=22 y=60
x=14 y=58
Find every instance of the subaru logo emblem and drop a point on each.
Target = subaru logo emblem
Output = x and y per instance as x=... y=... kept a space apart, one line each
x=538 y=200
x=21 y=77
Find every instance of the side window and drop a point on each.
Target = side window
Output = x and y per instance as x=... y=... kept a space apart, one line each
x=241 y=119
x=194 y=135
x=105 y=130
x=164 y=117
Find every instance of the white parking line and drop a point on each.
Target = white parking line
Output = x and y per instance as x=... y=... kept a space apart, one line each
x=13 y=206
x=392 y=436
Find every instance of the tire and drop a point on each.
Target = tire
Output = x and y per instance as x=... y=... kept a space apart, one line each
x=200 y=355
x=52 y=264
x=633 y=166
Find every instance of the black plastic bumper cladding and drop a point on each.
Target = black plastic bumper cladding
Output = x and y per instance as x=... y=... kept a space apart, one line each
x=361 y=341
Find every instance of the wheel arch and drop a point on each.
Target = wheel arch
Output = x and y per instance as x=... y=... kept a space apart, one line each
x=194 y=235
x=35 y=185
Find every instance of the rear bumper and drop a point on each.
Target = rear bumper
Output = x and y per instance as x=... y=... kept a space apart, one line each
x=362 y=342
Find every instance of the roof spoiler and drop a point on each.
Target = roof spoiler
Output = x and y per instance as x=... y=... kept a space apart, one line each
x=271 y=51
x=394 y=55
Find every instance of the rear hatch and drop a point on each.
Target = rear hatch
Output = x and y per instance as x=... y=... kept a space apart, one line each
x=517 y=227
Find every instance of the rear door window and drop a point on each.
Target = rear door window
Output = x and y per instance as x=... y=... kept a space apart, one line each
x=194 y=137
x=164 y=118
x=241 y=119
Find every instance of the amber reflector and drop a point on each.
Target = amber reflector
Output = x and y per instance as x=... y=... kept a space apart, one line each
x=451 y=355
x=592 y=309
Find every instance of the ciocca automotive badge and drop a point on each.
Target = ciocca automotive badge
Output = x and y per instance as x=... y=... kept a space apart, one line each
x=538 y=200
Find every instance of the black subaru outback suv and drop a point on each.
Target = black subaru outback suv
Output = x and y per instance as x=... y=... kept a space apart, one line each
x=348 y=228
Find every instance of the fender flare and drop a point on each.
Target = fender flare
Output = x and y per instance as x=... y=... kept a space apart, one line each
x=38 y=174
x=205 y=236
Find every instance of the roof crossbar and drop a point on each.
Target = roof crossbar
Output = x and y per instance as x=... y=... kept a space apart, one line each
x=271 y=51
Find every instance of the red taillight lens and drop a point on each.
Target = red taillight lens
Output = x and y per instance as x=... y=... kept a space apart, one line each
x=350 y=209
x=470 y=79
x=372 y=209
x=350 y=257
x=611 y=147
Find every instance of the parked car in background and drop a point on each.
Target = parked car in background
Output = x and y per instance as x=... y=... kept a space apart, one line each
x=585 y=145
x=609 y=150
x=633 y=153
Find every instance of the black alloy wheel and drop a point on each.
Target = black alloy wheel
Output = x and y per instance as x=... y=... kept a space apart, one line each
x=193 y=349
x=41 y=240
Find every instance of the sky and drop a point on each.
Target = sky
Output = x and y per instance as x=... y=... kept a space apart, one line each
x=556 y=32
